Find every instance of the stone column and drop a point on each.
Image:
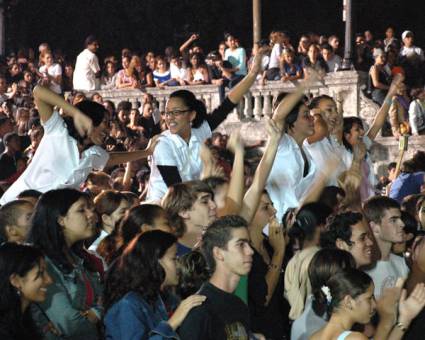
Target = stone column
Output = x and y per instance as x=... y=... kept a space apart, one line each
x=256 y=20
x=348 y=11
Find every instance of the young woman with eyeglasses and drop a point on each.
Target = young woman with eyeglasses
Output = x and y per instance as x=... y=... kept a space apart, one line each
x=176 y=157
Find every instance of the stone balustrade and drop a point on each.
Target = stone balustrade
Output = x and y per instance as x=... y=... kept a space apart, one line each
x=345 y=87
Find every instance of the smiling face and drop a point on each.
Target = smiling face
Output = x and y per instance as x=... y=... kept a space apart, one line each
x=33 y=285
x=79 y=222
x=178 y=116
x=361 y=244
x=329 y=113
x=355 y=135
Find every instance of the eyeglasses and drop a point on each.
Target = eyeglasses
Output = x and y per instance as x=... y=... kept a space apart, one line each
x=176 y=113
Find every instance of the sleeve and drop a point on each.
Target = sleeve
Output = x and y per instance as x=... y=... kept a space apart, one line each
x=219 y=114
x=413 y=113
x=100 y=158
x=63 y=315
x=257 y=286
x=94 y=64
x=196 y=325
x=128 y=321
x=170 y=174
x=57 y=71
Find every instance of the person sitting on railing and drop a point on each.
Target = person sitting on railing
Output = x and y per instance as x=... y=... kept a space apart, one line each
x=333 y=60
x=144 y=74
x=380 y=77
x=235 y=55
x=304 y=45
x=178 y=72
x=177 y=156
x=290 y=69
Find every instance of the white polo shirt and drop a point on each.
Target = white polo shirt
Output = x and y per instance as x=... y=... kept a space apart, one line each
x=57 y=162
x=286 y=184
x=172 y=150
x=322 y=150
x=86 y=67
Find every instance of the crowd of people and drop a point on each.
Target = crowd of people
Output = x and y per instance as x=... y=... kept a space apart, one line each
x=125 y=223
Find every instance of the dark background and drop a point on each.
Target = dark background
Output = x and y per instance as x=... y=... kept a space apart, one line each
x=154 y=24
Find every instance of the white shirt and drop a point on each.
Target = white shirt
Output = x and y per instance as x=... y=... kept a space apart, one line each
x=275 y=56
x=86 y=67
x=57 y=162
x=386 y=273
x=286 y=184
x=53 y=71
x=411 y=51
x=172 y=150
x=177 y=73
x=322 y=150
x=335 y=63
x=416 y=116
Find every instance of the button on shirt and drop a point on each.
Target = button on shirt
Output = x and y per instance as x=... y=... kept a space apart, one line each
x=286 y=184
x=86 y=67
x=322 y=150
x=57 y=162
x=173 y=150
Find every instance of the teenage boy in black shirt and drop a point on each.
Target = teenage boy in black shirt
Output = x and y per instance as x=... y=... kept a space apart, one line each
x=223 y=315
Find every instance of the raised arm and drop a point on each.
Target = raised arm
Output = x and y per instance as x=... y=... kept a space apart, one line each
x=381 y=116
x=188 y=42
x=253 y=195
x=46 y=100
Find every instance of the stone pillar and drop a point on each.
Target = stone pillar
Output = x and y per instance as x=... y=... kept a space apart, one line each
x=256 y=20
x=348 y=11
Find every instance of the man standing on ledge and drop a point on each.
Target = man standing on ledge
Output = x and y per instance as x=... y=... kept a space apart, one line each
x=87 y=67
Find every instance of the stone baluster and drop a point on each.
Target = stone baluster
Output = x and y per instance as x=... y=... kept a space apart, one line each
x=267 y=108
x=207 y=100
x=248 y=106
x=258 y=107
x=161 y=103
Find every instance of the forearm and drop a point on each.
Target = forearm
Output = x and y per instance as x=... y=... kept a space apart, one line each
x=253 y=195
x=116 y=158
x=286 y=106
x=236 y=184
x=46 y=97
x=273 y=274
x=380 y=117
x=236 y=94
x=126 y=182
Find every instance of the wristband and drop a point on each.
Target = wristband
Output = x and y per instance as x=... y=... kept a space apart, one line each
x=388 y=101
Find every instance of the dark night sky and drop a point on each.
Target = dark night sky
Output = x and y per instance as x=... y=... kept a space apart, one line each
x=154 y=24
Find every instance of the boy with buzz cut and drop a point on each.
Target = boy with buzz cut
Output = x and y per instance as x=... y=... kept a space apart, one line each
x=227 y=251
x=15 y=221
x=384 y=217
x=191 y=208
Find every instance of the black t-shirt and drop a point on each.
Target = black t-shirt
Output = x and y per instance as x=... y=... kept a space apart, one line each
x=7 y=166
x=417 y=328
x=272 y=320
x=151 y=129
x=222 y=316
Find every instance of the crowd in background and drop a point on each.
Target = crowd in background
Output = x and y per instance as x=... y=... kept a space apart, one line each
x=129 y=223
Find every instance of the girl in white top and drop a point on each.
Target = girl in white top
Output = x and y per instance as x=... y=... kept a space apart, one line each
x=176 y=158
x=70 y=148
x=348 y=297
x=51 y=73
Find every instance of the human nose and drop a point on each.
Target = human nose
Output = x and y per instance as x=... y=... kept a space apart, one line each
x=212 y=205
x=47 y=279
x=249 y=249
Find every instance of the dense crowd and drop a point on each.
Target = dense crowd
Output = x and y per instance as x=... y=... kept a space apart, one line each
x=128 y=223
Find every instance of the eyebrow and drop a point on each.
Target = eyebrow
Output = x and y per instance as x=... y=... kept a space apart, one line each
x=205 y=195
x=242 y=240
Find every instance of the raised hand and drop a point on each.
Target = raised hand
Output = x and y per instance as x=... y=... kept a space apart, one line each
x=273 y=130
x=235 y=142
x=409 y=308
x=276 y=236
x=184 y=308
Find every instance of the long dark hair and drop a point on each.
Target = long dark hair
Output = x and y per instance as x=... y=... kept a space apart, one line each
x=16 y=259
x=192 y=104
x=130 y=226
x=138 y=269
x=326 y=263
x=348 y=123
x=47 y=234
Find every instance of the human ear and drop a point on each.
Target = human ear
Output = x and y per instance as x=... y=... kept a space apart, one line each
x=341 y=244
x=15 y=281
x=218 y=254
x=376 y=228
x=61 y=221
x=184 y=214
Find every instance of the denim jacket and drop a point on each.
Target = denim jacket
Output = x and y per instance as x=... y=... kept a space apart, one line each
x=132 y=318
x=59 y=316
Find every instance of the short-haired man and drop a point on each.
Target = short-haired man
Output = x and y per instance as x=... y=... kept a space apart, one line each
x=384 y=217
x=333 y=60
x=191 y=209
x=87 y=67
x=349 y=231
x=15 y=221
x=223 y=315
